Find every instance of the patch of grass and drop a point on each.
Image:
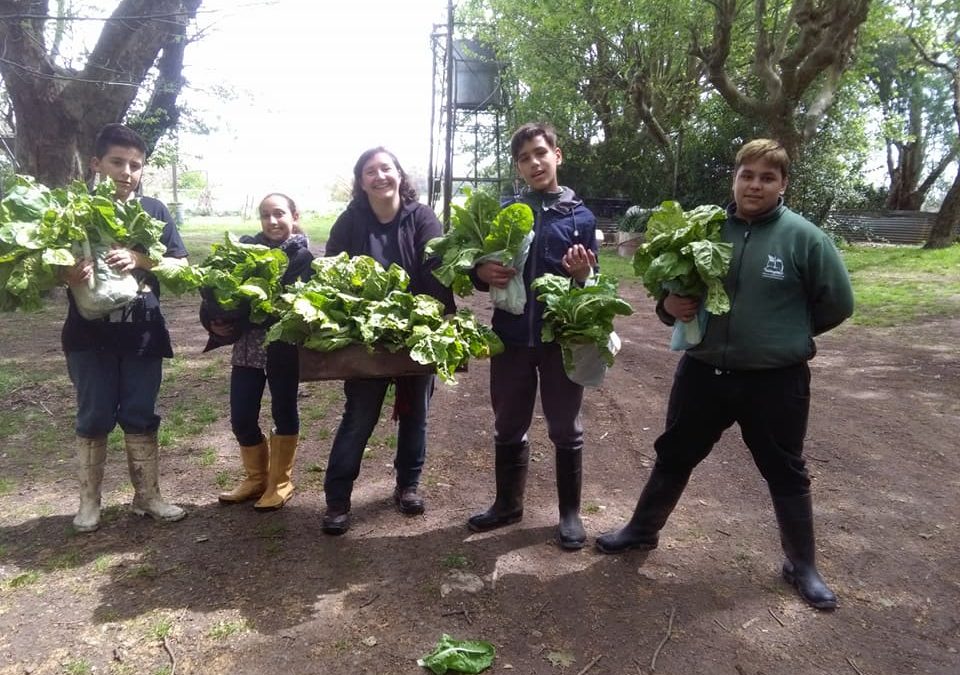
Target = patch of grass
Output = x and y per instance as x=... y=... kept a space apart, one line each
x=391 y=441
x=223 y=479
x=897 y=285
x=160 y=628
x=102 y=564
x=618 y=266
x=24 y=579
x=144 y=571
x=77 y=667
x=592 y=508
x=64 y=561
x=455 y=561
x=208 y=457
x=221 y=630
x=6 y=486
x=368 y=452
x=323 y=434
x=316 y=468
x=115 y=440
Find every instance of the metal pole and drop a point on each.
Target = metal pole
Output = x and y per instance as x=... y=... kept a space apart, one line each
x=431 y=187
x=448 y=160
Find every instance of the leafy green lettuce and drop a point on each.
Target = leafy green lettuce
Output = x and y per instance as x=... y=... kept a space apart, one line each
x=40 y=230
x=684 y=254
x=578 y=315
x=462 y=656
x=357 y=301
x=479 y=229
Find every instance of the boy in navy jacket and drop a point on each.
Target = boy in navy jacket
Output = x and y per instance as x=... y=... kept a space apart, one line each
x=564 y=243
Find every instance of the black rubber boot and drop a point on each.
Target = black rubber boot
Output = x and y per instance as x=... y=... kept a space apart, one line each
x=512 y=462
x=795 y=518
x=657 y=501
x=569 y=463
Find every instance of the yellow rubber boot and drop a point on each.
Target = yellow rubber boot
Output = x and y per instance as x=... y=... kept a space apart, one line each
x=255 y=460
x=283 y=450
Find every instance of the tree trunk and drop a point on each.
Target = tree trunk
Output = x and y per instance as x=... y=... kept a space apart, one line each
x=58 y=111
x=943 y=234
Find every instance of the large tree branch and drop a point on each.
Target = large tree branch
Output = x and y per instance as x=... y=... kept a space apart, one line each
x=938 y=170
x=763 y=52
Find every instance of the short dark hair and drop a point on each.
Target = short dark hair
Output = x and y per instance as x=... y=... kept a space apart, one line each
x=407 y=192
x=117 y=134
x=532 y=130
x=765 y=149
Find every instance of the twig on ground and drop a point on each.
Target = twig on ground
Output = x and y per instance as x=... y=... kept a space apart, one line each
x=173 y=659
x=720 y=623
x=604 y=435
x=818 y=459
x=370 y=601
x=542 y=607
x=776 y=617
x=853 y=664
x=723 y=532
x=454 y=612
x=656 y=652
x=591 y=664
x=43 y=407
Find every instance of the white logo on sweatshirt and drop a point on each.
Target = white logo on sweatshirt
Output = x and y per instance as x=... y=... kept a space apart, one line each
x=774 y=268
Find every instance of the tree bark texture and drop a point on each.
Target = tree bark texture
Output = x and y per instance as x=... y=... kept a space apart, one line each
x=58 y=111
x=796 y=66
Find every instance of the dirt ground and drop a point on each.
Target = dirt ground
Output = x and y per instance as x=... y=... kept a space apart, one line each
x=229 y=590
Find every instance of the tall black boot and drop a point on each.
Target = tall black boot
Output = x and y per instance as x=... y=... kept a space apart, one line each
x=795 y=518
x=512 y=462
x=657 y=501
x=569 y=466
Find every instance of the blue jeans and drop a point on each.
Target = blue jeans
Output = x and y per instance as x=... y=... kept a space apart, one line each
x=360 y=415
x=115 y=389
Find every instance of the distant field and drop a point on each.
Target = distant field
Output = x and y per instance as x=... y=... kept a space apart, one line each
x=199 y=232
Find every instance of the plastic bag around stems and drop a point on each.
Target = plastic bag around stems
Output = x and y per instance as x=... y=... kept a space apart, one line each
x=107 y=289
x=512 y=298
x=589 y=366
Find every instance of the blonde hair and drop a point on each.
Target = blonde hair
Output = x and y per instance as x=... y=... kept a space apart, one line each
x=765 y=149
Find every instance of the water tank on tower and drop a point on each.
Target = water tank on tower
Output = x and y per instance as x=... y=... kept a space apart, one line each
x=476 y=76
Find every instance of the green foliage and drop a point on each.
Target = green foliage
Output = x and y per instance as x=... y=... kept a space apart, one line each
x=577 y=314
x=40 y=230
x=685 y=255
x=355 y=301
x=462 y=656
x=479 y=228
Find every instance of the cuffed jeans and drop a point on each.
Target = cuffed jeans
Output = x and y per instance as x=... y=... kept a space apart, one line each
x=115 y=389
x=771 y=406
x=364 y=399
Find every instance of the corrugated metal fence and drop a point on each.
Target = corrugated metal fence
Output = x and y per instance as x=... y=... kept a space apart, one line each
x=892 y=227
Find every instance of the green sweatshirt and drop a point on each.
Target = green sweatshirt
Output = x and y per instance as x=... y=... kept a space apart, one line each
x=787 y=283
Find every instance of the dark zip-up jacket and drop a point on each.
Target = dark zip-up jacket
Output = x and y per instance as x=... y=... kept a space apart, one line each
x=787 y=283
x=416 y=226
x=557 y=227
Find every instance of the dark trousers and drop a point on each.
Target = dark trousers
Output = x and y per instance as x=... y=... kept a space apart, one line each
x=246 y=394
x=771 y=407
x=514 y=376
x=115 y=389
x=364 y=398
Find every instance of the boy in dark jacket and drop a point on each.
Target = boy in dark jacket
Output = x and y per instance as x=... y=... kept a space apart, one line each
x=115 y=362
x=787 y=284
x=564 y=243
